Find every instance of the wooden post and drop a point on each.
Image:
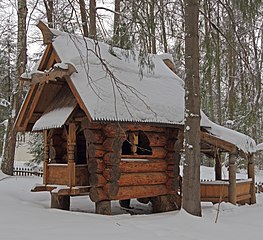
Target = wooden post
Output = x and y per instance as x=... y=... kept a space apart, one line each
x=60 y=202
x=103 y=207
x=251 y=174
x=218 y=167
x=232 y=179
x=46 y=157
x=71 y=153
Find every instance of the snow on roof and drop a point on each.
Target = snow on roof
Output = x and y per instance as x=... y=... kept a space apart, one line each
x=242 y=141
x=127 y=96
x=53 y=119
x=111 y=87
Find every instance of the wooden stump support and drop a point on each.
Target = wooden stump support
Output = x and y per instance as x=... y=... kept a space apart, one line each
x=103 y=207
x=60 y=202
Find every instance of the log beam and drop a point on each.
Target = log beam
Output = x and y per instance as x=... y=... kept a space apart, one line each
x=137 y=166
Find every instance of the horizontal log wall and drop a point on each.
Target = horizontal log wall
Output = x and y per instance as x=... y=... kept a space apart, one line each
x=116 y=177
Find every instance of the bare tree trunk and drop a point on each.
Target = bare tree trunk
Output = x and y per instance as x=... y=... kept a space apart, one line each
x=164 y=38
x=218 y=70
x=49 y=5
x=116 y=24
x=83 y=14
x=208 y=79
x=92 y=22
x=152 y=27
x=117 y=9
x=10 y=141
x=191 y=181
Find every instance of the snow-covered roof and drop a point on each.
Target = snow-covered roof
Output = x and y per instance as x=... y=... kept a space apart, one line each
x=114 y=86
x=53 y=119
x=242 y=141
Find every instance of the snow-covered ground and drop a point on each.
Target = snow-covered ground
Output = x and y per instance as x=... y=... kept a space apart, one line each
x=26 y=216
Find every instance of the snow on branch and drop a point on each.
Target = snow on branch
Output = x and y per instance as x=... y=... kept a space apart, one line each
x=4 y=103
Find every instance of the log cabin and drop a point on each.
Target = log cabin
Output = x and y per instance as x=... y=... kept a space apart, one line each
x=113 y=128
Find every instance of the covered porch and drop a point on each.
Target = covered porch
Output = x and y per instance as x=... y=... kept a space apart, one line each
x=227 y=188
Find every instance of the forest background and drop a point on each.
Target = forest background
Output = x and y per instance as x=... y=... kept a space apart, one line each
x=230 y=46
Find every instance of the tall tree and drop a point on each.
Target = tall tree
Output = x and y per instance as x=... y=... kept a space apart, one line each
x=84 y=18
x=49 y=5
x=16 y=99
x=92 y=23
x=191 y=181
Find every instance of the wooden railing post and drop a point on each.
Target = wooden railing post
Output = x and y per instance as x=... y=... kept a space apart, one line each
x=251 y=174
x=71 y=154
x=232 y=179
x=46 y=157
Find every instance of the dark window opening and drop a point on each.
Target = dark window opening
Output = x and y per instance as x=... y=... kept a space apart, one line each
x=143 y=147
x=126 y=148
x=136 y=144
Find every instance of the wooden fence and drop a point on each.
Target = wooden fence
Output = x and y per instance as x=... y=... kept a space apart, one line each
x=27 y=172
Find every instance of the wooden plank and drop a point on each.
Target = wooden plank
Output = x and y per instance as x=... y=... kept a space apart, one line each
x=19 y=124
x=57 y=174
x=34 y=103
x=43 y=188
x=74 y=191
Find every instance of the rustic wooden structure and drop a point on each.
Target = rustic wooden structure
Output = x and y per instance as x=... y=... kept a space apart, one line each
x=104 y=159
x=230 y=190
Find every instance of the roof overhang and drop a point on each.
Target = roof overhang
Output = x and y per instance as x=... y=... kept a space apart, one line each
x=53 y=119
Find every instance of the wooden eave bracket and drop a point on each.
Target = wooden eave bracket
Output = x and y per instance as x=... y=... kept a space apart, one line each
x=51 y=75
x=48 y=35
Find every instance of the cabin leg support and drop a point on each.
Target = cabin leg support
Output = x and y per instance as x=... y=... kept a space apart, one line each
x=60 y=202
x=166 y=203
x=103 y=207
